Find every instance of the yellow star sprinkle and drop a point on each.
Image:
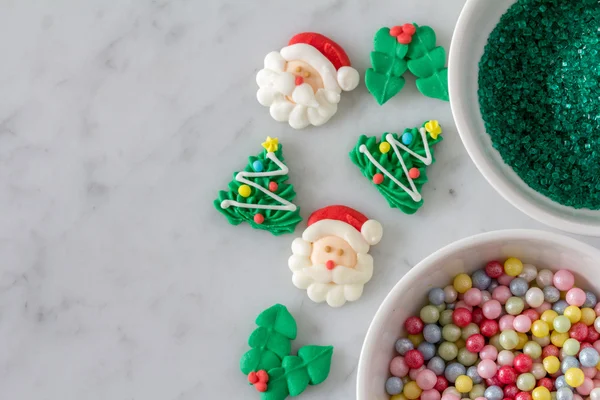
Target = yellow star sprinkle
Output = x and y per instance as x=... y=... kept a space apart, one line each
x=271 y=144
x=434 y=128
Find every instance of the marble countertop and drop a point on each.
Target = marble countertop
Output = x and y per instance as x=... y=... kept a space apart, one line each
x=119 y=122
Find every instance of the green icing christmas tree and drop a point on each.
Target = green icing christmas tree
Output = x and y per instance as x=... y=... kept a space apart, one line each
x=259 y=195
x=268 y=365
x=405 y=47
x=397 y=163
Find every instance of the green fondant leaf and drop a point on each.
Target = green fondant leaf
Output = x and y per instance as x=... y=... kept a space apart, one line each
x=429 y=63
x=318 y=362
x=279 y=319
x=296 y=374
x=279 y=344
x=277 y=388
x=385 y=43
x=383 y=87
x=422 y=42
x=435 y=86
x=257 y=359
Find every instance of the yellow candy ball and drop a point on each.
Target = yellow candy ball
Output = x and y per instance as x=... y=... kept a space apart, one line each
x=522 y=340
x=513 y=266
x=588 y=316
x=558 y=339
x=548 y=316
x=398 y=397
x=463 y=384
x=573 y=313
x=416 y=339
x=384 y=147
x=551 y=364
x=462 y=283
x=541 y=393
x=244 y=190
x=574 y=377
x=412 y=391
x=540 y=329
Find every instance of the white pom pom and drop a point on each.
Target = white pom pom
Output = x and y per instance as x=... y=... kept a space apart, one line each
x=274 y=61
x=372 y=231
x=301 y=247
x=348 y=78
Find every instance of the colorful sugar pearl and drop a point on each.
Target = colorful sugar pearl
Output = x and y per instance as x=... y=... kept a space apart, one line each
x=506 y=332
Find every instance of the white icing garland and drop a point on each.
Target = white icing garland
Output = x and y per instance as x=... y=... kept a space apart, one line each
x=241 y=177
x=413 y=192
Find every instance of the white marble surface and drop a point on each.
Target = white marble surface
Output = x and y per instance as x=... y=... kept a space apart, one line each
x=119 y=122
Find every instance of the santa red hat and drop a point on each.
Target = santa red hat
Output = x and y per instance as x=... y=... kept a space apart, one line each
x=346 y=223
x=324 y=55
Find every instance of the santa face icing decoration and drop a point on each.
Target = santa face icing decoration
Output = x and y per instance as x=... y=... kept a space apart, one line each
x=301 y=84
x=331 y=259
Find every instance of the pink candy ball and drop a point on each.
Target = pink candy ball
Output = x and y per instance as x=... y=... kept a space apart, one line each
x=590 y=372
x=563 y=280
x=597 y=309
x=544 y=307
x=486 y=369
x=426 y=379
x=596 y=383
x=577 y=397
x=398 y=367
x=488 y=352
x=492 y=309
x=505 y=279
x=506 y=357
x=473 y=297
x=575 y=297
x=521 y=323
x=502 y=294
x=414 y=373
x=431 y=394
x=506 y=322
x=597 y=345
x=450 y=396
x=462 y=304
x=586 y=387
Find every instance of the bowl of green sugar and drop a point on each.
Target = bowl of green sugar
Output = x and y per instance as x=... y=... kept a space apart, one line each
x=524 y=82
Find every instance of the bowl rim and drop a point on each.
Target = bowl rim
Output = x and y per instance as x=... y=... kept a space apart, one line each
x=431 y=260
x=506 y=190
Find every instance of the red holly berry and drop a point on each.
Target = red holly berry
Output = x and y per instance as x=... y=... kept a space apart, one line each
x=252 y=378
x=494 y=269
x=507 y=375
x=475 y=343
x=396 y=30
x=409 y=29
x=261 y=386
x=477 y=315
x=523 y=396
x=579 y=331
x=263 y=376
x=414 y=325
x=532 y=314
x=522 y=363
x=511 y=391
x=414 y=359
x=547 y=383
x=593 y=335
x=404 y=38
x=462 y=317
x=550 y=350
x=488 y=327
x=441 y=384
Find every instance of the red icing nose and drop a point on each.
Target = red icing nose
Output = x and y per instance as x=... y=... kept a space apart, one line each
x=299 y=80
x=330 y=264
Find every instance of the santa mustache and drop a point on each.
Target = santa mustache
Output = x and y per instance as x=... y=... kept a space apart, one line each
x=340 y=275
x=271 y=82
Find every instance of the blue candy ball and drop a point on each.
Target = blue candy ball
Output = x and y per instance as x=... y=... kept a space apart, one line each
x=481 y=280
x=551 y=294
x=437 y=365
x=453 y=371
x=257 y=166
x=518 y=287
x=394 y=385
x=407 y=138
x=590 y=299
x=472 y=373
x=493 y=393
x=560 y=382
x=403 y=346
x=589 y=357
x=432 y=333
x=427 y=349
x=568 y=362
x=436 y=296
x=564 y=393
x=560 y=306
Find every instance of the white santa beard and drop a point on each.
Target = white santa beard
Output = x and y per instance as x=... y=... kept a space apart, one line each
x=306 y=109
x=333 y=286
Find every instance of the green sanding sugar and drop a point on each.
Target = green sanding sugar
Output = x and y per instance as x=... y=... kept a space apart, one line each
x=539 y=92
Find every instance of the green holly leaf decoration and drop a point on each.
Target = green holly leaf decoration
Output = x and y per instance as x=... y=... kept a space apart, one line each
x=381 y=151
x=385 y=79
x=427 y=62
x=287 y=374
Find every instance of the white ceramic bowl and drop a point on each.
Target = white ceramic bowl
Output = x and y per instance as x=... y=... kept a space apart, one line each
x=542 y=249
x=476 y=22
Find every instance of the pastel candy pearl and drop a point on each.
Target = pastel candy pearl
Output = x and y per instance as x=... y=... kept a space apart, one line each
x=586 y=387
x=488 y=352
x=595 y=394
x=431 y=394
x=473 y=297
x=398 y=367
x=501 y=294
x=426 y=379
x=529 y=272
x=575 y=297
x=506 y=322
x=545 y=306
x=414 y=373
x=521 y=323
x=563 y=280
x=538 y=371
x=492 y=309
x=450 y=294
x=534 y=297
x=505 y=279
x=450 y=396
x=544 y=278
x=590 y=299
x=462 y=304
x=485 y=296
x=505 y=357
x=589 y=372
x=597 y=309
x=486 y=369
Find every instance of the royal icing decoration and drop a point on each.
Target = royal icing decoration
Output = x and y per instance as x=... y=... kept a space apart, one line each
x=268 y=365
x=407 y=47
x=331 y=261
x=398 y=169
x=302 y=83
x=259 y=194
